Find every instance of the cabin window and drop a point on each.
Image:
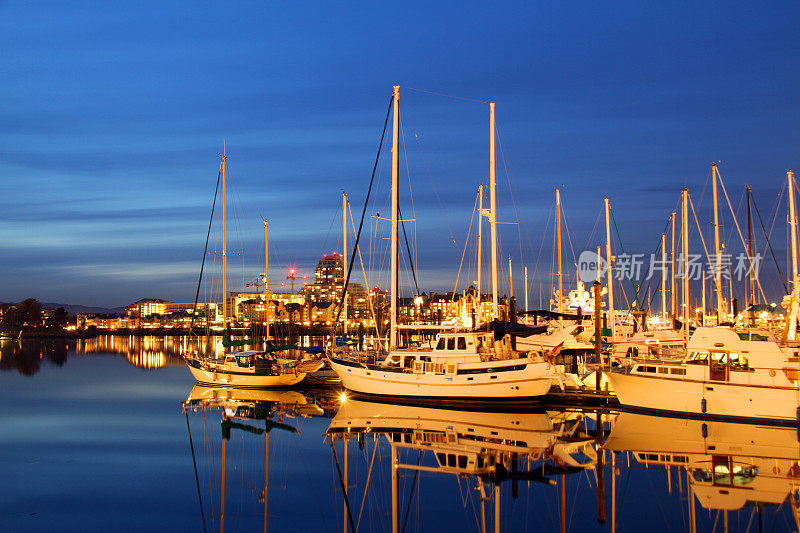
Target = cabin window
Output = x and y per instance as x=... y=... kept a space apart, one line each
x=442 y=458
x=440 y=344
x=462 y=343
x=451 y=459
x=750 y=336
x=451 y=343
x=462 y=461
x=739 y=362
x=408 y=362
x=678 y=371
x=663 y=370
x=698 y=358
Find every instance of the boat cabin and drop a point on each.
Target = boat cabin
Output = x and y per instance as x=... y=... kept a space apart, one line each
x=464 y=347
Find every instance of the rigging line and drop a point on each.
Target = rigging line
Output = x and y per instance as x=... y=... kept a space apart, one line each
x=621 y=247
x=769 y=244
x=366 y=487
x=510 y=191
x=541 y=241
x=408 y=250
x=364 y=211
x=366 y=281
x=569 y=236
x=738 y=229
x=413 y=485
x=413 y=207
x=341 y=481
x=205 y=252
x=594 y=229
x=430 y=177
x=705 y=248
x=446 y=95
x=466 y=241
x=196 y=478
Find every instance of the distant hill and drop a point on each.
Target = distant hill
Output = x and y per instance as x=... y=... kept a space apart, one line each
x=83 y=309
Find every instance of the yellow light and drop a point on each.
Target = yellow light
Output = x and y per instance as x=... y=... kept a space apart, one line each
x=342 y=397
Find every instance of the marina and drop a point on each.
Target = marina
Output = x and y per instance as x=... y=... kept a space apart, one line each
x=492 y=267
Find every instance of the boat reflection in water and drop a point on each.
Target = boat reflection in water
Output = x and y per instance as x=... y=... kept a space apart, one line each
x=481 y=447
x=251 y=413
x=729 y=466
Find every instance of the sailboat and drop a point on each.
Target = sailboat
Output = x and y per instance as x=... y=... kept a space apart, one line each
x=251 y=368
x=467 y=365
x=742 y=373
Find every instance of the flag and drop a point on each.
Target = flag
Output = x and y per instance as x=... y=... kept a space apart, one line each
x=554 y=352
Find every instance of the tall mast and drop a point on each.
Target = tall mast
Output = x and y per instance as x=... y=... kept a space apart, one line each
x=266 y=274
x=526 y=288
x=558 y=240
x=480 y=245
x=685 y=253
x=395 y=166
x=750 y=253
x=224 y=246
x=344 y=258
x=721 y=312
x=510 y=280
x=672 y=269
x=493 y=208
x=610 y=277
x=791 y=320
x=663 y=278
x=703 y=301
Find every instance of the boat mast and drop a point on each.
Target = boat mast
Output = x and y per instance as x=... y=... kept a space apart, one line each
x=224 y=246
x=685 y=253
x=493 y=208
x=791 y=320
x=560 y=275
x=344 y=258
x=395 y=165
x=721 y=311
x=672 y=283
x=750 y=253
x=663 y=278
x=480 y=246
x=610 y=277
x=526 y=288
x=510 y=280
x=266 y=273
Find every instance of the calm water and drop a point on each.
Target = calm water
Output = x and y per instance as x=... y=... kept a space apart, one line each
x=95 y=437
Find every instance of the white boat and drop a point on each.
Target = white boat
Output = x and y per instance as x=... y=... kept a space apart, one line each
x=726 y=373
x=458 y=366
x=730 y=465
x=247 y=368
x=251 y=369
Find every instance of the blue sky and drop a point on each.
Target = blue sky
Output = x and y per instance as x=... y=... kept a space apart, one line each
x=114 y=115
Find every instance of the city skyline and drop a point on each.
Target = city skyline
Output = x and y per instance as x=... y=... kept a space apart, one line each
x=116 y=115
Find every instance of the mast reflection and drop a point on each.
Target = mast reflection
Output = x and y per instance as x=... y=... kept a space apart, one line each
x=489 y=449
x=249 y=413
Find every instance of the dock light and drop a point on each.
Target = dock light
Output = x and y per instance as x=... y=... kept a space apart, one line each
x=342 y=397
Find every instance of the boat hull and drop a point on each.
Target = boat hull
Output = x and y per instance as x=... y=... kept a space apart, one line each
x=526 y=380
x=707 y=399
x=229 y=379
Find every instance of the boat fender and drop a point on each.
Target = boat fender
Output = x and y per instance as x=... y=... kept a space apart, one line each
x=703 y=405
x=704 y=429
